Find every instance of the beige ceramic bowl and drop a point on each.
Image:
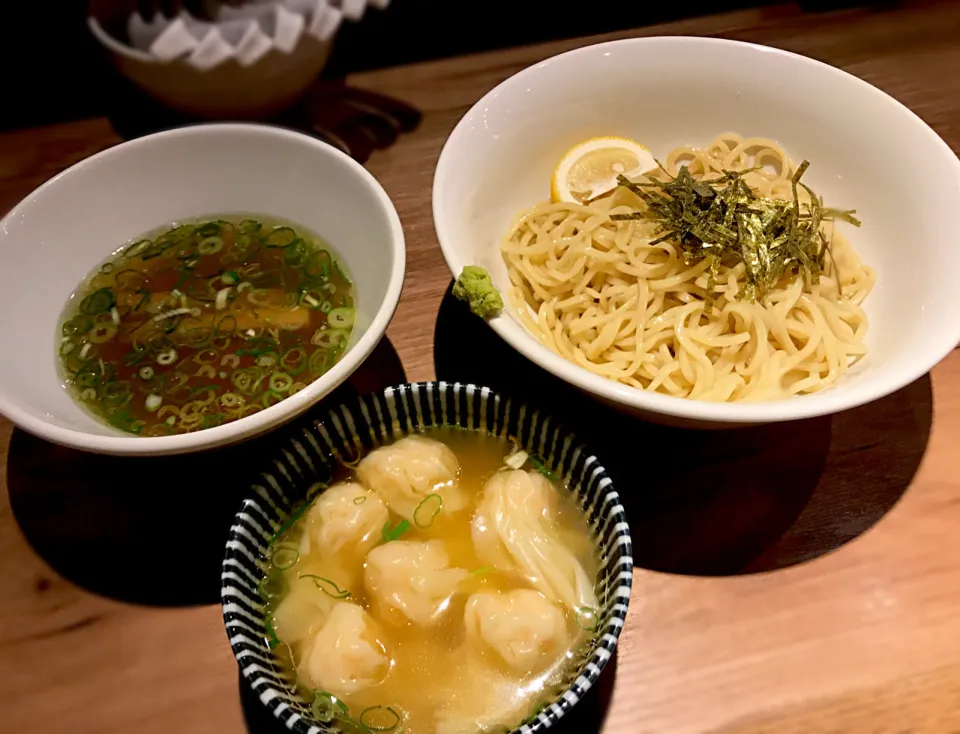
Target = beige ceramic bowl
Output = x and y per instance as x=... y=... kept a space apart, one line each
x=228 y=90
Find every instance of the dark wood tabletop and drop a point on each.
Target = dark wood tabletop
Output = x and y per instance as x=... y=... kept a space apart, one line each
x=792 y=579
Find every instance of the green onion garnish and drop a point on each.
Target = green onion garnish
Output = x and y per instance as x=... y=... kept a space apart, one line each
x=393 y=533
x=100 y=301
x=427 y=510
x=360 y=500
x=272 y=586
x=327 y=586
x=280 y=237
x=380 y=718
x=272 y=639
x=297 y=514
x=326 y=707
x=285 y=556
x=341 y=318
x=542 y=468
x=586 y=618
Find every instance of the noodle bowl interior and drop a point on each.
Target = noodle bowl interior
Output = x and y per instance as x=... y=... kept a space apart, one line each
x=609 y=286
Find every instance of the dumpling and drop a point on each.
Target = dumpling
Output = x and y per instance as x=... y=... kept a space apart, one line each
x=301 y=612
x=513 y=530
x=346 y=655
x=525 y=629
x=404 y=473
x=411 y=580
x=346 y=519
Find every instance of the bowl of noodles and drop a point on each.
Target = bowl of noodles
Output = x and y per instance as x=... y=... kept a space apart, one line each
x=707 y=232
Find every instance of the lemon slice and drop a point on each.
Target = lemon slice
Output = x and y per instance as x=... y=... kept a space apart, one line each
x=590 y=168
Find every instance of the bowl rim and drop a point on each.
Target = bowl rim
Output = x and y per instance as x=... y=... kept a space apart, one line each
x=346 y=426
x=269 y=417
x=831 y=400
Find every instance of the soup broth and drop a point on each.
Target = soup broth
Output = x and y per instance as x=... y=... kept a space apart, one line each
x=204 y=323
x=396 y=616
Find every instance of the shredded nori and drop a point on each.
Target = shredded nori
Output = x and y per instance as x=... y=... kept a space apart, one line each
x=724 y=220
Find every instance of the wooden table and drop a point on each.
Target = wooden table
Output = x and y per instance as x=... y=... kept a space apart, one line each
x=802 y=578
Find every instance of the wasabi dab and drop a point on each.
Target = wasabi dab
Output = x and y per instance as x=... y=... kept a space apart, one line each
x=475 y=287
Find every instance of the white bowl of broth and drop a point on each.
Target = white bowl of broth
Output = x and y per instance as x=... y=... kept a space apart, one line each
x=200 y=286
x=607 y=292
x=453 y=563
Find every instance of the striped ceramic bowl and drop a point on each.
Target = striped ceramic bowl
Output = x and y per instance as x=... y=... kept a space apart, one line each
x=355 y=428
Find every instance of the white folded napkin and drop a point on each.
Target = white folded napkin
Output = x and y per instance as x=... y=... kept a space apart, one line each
x=246 y=33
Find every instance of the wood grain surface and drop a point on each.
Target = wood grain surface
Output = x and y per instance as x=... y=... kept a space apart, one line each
x=794 y=579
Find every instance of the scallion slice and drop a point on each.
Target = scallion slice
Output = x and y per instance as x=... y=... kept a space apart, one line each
x=285 y=556
x=427 y=510
x=388 y=533
x=327 y=586
x=380 y=718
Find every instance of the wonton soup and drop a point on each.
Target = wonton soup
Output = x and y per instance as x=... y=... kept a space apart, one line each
x=446 y=586
x=204 y=323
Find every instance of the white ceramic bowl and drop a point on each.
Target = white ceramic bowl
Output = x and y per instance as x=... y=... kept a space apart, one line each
x=867 y=152
x=52 y=240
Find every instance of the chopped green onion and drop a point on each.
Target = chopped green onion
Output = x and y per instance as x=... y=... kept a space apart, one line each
x=294 y=360
x=360 y=500
x=318 y=264
x=280 y=237
x=209 y=229
x=249 y=226
x=586 y=618
x=210 y=245
x=380 y=718
x=285 y=556
x=272 y=586
x=320 y=362
x=270 y=398
x=272 y=639
x=326 y=707
x=247 y=380
x=388 y=533
x=542 y=468
x=290 y=521
x=311 y=298
x=167 y=357
x=329 y=338
x=220 y=301
x=427 y=510
x=146 y=372
x=280 y=382
x=341 y=318
x=102 y=333
x=230 y=277
x=136 y=248
x=100 y=301
x=153 y=402
x=76 y=325
x=327 y=586
x=231 y=400
x=154 y=249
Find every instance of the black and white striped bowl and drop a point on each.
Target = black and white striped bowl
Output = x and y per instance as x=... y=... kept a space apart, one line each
x=354 y=429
